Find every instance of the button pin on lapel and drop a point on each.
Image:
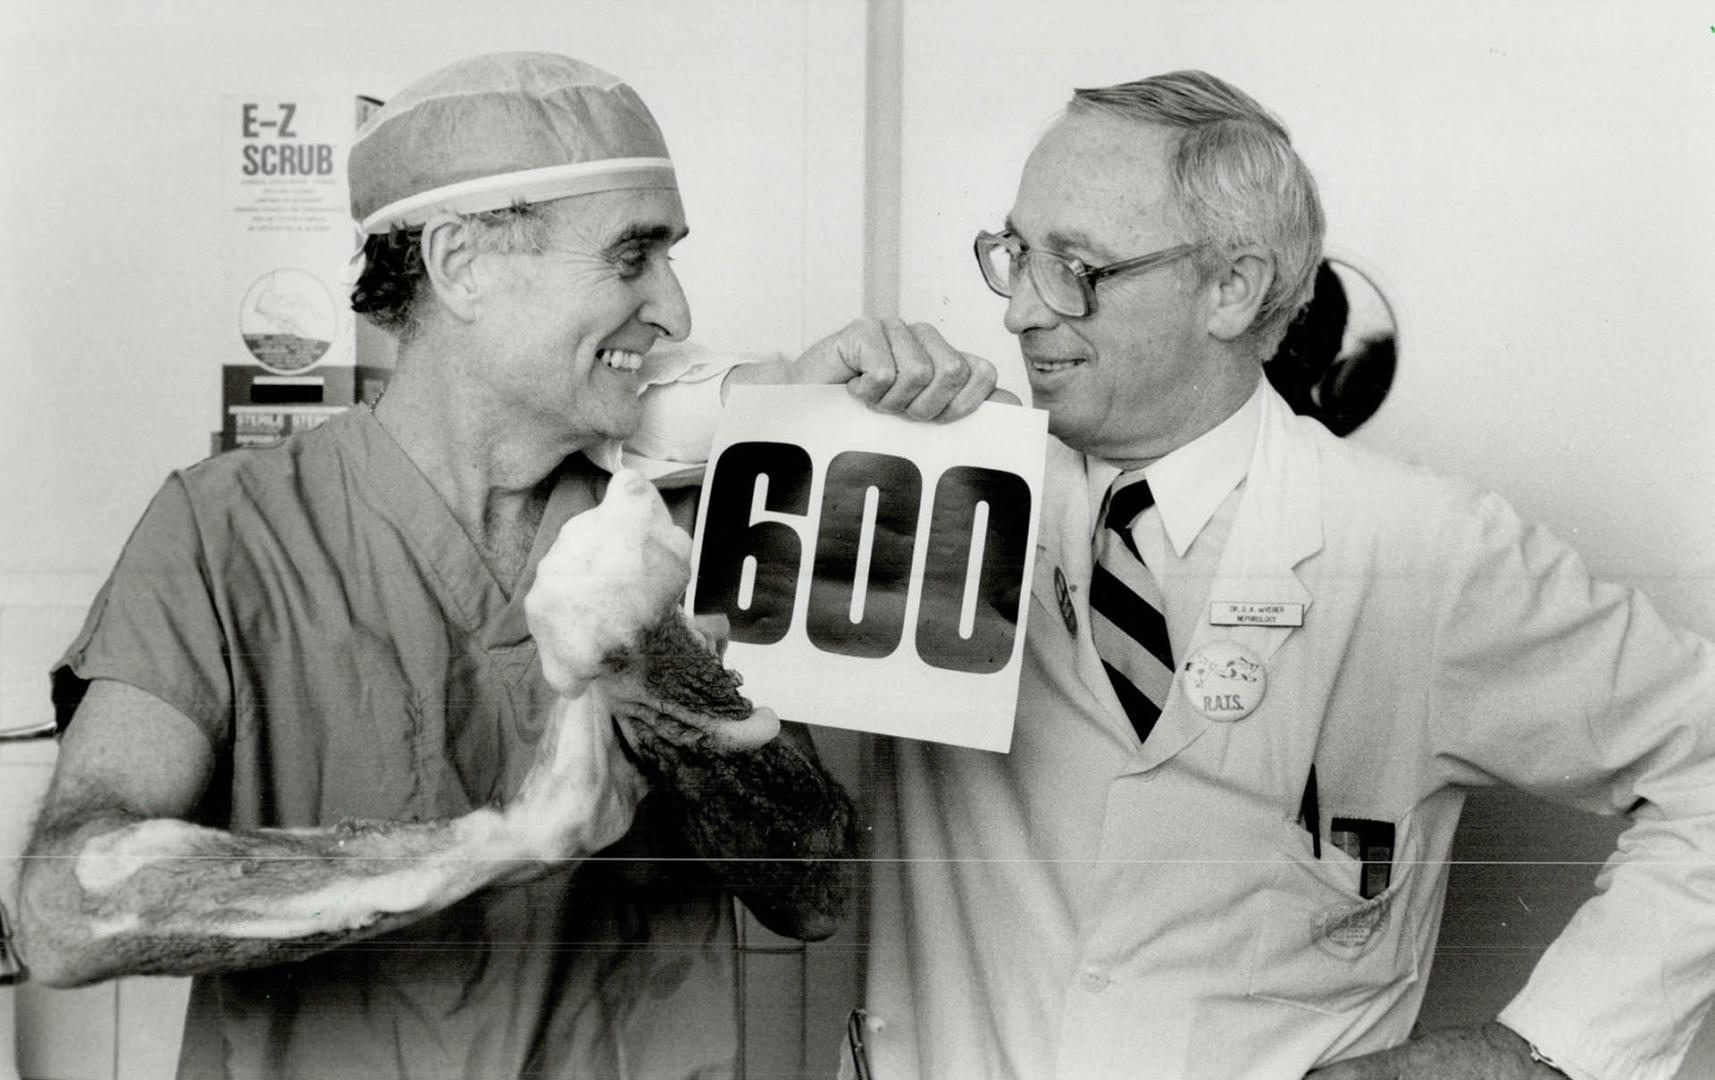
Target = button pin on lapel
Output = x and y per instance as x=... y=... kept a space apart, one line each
x=1063 y=593
x=1224 y=681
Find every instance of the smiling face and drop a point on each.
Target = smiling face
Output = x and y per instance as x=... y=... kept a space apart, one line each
x=1141 y=375
x=566 y=329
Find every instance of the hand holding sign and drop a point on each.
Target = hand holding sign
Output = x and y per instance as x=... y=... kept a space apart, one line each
x=892 y=367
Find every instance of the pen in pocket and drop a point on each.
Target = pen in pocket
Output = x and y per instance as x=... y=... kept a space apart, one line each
x=1310 y=812
x=1371 y=843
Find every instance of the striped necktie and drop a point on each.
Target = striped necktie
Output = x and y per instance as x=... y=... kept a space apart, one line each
x=1126 y=606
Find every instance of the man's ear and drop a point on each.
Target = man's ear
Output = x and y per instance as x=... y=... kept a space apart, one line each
x=449 y=256
x=1239 y=289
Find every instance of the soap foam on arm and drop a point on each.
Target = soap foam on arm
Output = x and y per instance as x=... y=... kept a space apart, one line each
x=612 y=572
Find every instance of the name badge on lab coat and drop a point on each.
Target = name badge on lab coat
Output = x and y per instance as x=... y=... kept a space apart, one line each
x=1251 y=613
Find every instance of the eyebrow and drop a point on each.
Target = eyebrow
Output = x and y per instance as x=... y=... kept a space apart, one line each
x=1077 y=241
x=1063 y=242
x=649 y=234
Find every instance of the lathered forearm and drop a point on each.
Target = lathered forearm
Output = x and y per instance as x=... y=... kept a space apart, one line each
x=119 y=895
x=771 y=823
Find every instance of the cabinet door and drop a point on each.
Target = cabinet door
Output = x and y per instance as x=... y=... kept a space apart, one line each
x=61 y=1033
x=151 y=1022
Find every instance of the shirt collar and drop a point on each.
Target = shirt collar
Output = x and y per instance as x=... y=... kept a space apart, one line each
x=1190 y=483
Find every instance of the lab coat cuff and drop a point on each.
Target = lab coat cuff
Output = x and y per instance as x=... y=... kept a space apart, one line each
x=1566 y=1040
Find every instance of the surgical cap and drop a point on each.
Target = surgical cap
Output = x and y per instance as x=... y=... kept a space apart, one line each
x=495 y=131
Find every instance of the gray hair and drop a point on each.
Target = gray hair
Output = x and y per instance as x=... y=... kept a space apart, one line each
x=1236 y=180
x=388 y=291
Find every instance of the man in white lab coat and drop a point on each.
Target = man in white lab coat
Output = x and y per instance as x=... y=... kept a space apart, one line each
x=1263 y=666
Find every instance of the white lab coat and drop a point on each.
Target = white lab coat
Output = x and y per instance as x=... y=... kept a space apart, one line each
x=1086 y=908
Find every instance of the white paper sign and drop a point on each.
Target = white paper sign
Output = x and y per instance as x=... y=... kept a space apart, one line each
x=875 y=570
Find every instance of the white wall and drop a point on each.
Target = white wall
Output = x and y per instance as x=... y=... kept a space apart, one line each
x=1533 y=183
x=1532 y=180
x=109 y=202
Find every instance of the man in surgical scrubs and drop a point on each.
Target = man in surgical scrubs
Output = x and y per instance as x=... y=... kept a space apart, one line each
x=311 y=758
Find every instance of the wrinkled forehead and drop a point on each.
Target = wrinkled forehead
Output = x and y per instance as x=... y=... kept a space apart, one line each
x=605 y=218
x=1096 y=185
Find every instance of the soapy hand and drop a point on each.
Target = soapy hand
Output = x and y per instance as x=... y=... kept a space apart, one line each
x=673 y=688
x=604 y=607
x=750 y=799
x=611 y=572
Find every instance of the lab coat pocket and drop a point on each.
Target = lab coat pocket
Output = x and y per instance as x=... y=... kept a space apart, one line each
x=1323 y=946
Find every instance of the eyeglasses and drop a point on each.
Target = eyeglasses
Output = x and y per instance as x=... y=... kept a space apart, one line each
x=1066 y=284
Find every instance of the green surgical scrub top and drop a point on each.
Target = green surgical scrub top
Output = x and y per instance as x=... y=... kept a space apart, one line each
x=318 y=612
